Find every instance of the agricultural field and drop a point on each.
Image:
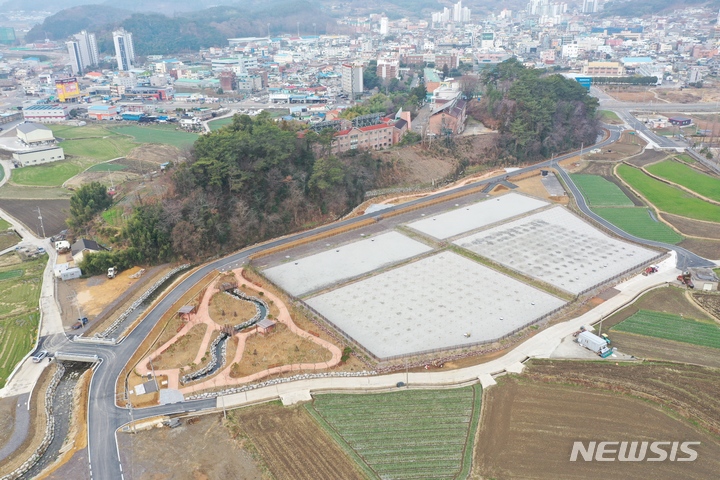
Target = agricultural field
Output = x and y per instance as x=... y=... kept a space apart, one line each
x=48 y=175
x=405 y=435
x=8 y=238
x=667 y=198
x=637 y=221
x=107 y=167
x=167 y=134
x=599 y=192
x=290 y=444
x=54 y=213
x=683 y=157
x=19 y=295
x=688 y=177
x=218 y=124
x=530 y=421
x=672 y=327
x=99 y=148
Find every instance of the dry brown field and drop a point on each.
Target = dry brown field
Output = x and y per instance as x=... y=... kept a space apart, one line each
x=693 y=228
x=531 y=421
x=197 y=450
x=54 y=213
x=291 y=443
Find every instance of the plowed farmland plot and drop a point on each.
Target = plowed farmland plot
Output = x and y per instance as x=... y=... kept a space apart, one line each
x=291 y=443
x=688 y=177
x=530 y=422
x=405 y=435
x=672 y=327
x=599 y=192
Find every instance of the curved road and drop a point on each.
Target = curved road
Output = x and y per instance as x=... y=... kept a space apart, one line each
x=104 y=417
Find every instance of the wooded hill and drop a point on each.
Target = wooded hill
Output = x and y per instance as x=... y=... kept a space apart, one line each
x=536 y=114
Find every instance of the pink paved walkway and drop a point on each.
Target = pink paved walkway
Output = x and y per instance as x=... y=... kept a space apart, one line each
x=222 y=378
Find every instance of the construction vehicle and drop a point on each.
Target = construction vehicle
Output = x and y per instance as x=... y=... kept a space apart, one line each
x=606 y=338
x=650 y=270
x=112 y=271
x=686 y=279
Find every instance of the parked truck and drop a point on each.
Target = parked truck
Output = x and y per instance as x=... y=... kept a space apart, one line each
x=686 y=279
x=80 y=323
x=594 y=343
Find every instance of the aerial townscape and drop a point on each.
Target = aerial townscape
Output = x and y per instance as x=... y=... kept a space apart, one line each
x=339 y=239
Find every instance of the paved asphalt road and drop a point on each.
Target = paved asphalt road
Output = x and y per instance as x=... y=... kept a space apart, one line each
x=104 y=417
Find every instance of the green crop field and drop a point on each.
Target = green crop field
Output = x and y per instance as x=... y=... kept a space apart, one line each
x=667 y=198
x=11 y=274
x=599 y=192
x=671 y=327
x=4 y=224
x=99 y=149
x=218 y=124
x=403 y=435
x=69 y=132
x=637 y=221
x=47 y=175
x=688 y=177
x=158 y=134
x=686 y=158
x=107 y=167
x=19 y=297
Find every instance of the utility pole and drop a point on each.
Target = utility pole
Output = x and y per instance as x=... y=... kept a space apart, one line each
x=42 y=227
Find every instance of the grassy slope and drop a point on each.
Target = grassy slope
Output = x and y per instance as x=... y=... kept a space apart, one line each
x=609 y=117
x=637 y=221
x=669 y=199
x=4 y=225
x=672 y=327
x=688 y=177
x=599 y=192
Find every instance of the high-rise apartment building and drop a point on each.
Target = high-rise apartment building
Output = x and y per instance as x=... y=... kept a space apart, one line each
x=590 y=6
x=124 y=50
x=83 y=52
x=384 y=25
x=352 y=79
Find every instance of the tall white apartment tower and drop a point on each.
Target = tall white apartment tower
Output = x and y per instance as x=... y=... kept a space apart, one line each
x=352 y=79
x=124 y=50
x=83 y=51
x=590 y=6
x=384 y=25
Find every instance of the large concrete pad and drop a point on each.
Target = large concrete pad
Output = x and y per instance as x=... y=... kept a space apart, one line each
x=438 y=302
x=303 y=275
x=472 y=217
x=559 y=248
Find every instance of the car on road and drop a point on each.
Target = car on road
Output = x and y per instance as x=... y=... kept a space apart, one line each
x=38 y=357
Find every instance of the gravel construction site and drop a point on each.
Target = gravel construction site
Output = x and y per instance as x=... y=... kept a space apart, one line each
x=558 y=248
x=442 y=301
x=397 y=289
x=323 y=269
x=481 y=214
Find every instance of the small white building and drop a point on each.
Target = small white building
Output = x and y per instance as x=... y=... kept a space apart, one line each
x=34 y=134
x=70 y=274
x=44 y=113
x=38 y=156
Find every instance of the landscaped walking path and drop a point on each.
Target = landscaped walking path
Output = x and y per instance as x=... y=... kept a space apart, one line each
x=223 y=378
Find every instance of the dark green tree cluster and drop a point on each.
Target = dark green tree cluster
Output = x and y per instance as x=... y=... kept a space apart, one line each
x=251 y=180
x=537 y=115
x=86 y=202
x=97 y=263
